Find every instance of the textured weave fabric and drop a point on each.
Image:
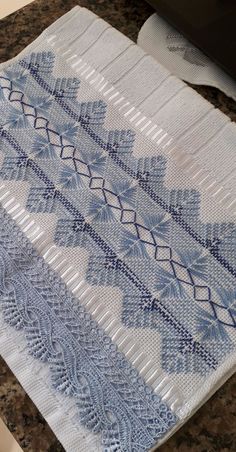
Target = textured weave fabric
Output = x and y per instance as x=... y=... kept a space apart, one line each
x=117 y=235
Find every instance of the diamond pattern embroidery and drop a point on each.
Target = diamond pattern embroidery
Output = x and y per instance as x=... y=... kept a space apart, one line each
x=122 y=191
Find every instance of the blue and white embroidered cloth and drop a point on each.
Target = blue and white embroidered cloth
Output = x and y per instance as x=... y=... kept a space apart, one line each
x=117 y=238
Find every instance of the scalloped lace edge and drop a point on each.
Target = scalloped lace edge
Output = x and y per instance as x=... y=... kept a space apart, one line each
x=148 y=370
x=110 y=396
x=58 y=411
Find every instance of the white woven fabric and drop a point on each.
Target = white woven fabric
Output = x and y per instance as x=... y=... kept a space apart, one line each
x=181 y=58
x=173 y=123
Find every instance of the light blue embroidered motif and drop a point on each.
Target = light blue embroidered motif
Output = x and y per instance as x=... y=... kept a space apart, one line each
x=85 y=364
x=156 y=247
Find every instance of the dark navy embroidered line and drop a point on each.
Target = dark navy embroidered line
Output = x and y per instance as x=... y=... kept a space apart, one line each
x=163 y=311
x=176 y=215
x=51 y=193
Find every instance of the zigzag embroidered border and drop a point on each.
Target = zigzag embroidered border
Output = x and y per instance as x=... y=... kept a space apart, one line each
x=143 y=177
x=148 y=304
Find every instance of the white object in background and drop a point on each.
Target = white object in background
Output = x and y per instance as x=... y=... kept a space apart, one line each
x=180 y=57
x=9 y=7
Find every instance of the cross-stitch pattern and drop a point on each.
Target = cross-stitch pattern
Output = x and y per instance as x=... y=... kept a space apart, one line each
x=143 y=237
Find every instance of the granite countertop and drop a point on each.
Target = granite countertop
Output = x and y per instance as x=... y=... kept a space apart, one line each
x=213 y=427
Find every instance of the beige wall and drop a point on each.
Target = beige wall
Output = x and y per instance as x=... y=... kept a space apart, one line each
x=7 y=442
x=9 y=6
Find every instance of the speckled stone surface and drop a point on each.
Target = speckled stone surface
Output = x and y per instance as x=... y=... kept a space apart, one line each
x=213 y=427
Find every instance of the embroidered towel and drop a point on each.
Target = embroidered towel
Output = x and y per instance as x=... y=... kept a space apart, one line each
x=117 y=238
x=181 y=57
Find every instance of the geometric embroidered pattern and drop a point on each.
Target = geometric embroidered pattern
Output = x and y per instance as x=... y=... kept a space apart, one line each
x=110 y=395
x=177 y=274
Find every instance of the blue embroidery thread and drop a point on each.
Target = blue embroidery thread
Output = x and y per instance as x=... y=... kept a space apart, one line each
x=85 y=364
x=183 y=206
